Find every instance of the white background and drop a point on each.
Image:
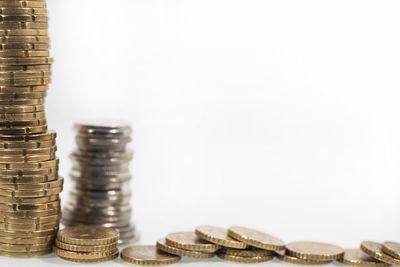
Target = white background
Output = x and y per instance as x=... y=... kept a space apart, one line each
x=277 y=115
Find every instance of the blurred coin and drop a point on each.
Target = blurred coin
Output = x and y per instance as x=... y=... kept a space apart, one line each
x=374 y=249
x=355 y=257
x=29 y=200
x=249 y=252
x=26 y=61
x=147 y=255
x=163 y=246
x=23 y=11
x=256 y=238
x=87 y=235
x=392 y=249
x=23 y=4
x=314 y=251
x=23 y=25
x=239 y=259
x=281 y=255
x=24 y=40
x=25 y=18
x=85 y=248
x=189 y=241
x=219 y=236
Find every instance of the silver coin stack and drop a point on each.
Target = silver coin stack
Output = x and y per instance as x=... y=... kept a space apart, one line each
x=100 y=172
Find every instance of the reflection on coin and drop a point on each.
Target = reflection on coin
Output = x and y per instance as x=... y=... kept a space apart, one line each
x=147 y=255
x=219 y=236
x=255 y=238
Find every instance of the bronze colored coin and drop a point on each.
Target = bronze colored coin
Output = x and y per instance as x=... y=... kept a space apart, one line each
x=39 y=220
x=148 y=255
x=27 y=123
x=26 y=200
x=25 y=82
x=28 y=227
x=27 y=145
x=25 y=18
x=97 y=260
x=22 y=207
x=20 y=109
x=163 y=246
x=39 y=186
x=27 y=152
x=14 y=25
x=23 y=11
x=24 y=40
x=23 y=4
x=82 y=248
x=24 y=32
x=23 y=130
x=30 y=165
x=88 y=235
x=239 y=259
x=392 y=249
x=22 y=90
x=190 y=241
x=45 y=67
x=22 y=116
x=219 y=236
x=290 y=259
x=24 y=173
x=256 y=238
x=28 y=180
x=31 y=193
x=83 y=255
x=27 y=61
x=50 y=135
x=16 y=102
x=25 y=254
x=355 y=257
x=23 y=53
x=27 y=159
x=30 y=213
x=31 y=234
x=314 y=251
x=27 y=241
x=24 y=74
x=249 y=252
x=374 y=249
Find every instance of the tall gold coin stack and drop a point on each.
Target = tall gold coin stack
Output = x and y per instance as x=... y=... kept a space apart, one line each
x=100 y=172
x=29 y=182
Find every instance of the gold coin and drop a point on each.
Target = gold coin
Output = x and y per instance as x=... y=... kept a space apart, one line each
x=25 y=18
x=23 y=130
x=24 y=74
x=148 y=255
x=219 y=236
x=392 y=249
x=23 y=32
x=27 y=180
x=28 y=102
x=290 y=259
x=27 y=123
x=19 y=234
x=27 y=152
x=23 y=4
x=374 y=249
x=22 y=90
x=82 y=248
x=28 y=227
x=97 y=260
x=83 y=255
x=39 y=186
x=23 y=53
x=50 y=135
x=29 y=213
x=22 y=207
x=24 y=39
x=355 y=257
x=26 y=159
x=22 y=11
x=27 y=61
x=314 y=251
x=24 y=173
x=29 y=200
x=88 y=235
x=39 y=220
x=25 y=254
x=25 y=82
x=27 y=241
x=27 y=145
x=20 y=109
x=190 y=241
x=163 y=246
x=22 y=116
x=30 y=165
x=256 y=238
x=44 y=67
x=14 y=25
x=249 y=252
x=239 y=259
x=31 y=193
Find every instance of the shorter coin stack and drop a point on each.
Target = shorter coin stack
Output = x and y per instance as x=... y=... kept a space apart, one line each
x=101 y=176
x=87 y=244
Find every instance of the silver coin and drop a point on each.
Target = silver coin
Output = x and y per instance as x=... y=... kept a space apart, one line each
x=97 y=127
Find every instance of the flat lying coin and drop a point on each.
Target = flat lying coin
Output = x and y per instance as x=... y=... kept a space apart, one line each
x=355 y=257
x=256 y=238
x=24 y=40
x=189 y=241
x=163 y=246
x=25 y=152
x=314 y=251
x=22 y=207
x=80 y=248
x=392 y=249
x=83 y=255
x=27 y=200
x=88 y=235
x=30 y=165
x=147 y=255
x=25 y=254
x=39 y=186
x=219 y=236
x=239 y=259
x=23 y=53
x=290 y=259
x=23 y=11
x=23 y=4
x=50 y=135
x=249 y=252
x=24 y=248
x=23 y=25
x=18 y=234
x=96 y=260
x=374 y=249
x=27 y=61
x=27 y=241
x=39 y=220
x=23 y=130
x=26 y=18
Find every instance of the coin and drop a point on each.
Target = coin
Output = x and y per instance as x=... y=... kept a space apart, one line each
x=38 y=186
x=148 y=255
x=163 y=246
x=31 y=193
x=23 y=53
x=27 y=145
x=23 y=130
x=23 y=4
x=87 y=235
x=281 y=255
x=20 y=109
x=106 y=127
x=22 y=116
x=219 y=236
x=24 y=32
x=19 y=234
x=80 y=248
x=12 y=102
x=83 y=255
x=28 y=227
x=25 y=82
x=355 y=257
x=27 y=61
x=30 y=165
x=392 y=249
x=239 y=259
x=255 y=238
x=23 y=11
x=44 y=67
x=374 y=249
x=24 y=74
x=29 y=213
x=50 y=135
x=26 y=159
x=26 y=18
x=27 y=123
x=249 y=252
x=314 y=251
x=24 y=39
x=21 y=207
x=38 y=220
x=189 y=241
x=42 y=171
x=23 y=25
x=29 y=200
x=96 y=260
x=25 y=254
x=27 y=241
x=27 y=152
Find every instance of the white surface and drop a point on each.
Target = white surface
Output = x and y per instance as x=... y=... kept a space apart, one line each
x=279 y=115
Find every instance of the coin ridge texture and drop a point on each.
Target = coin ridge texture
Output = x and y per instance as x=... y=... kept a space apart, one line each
x=256 y=238
x=240 y=259
x=147 y=255
x=391 y=248
x=219 y=236
x=87 y=235
x=356 y=257
x=314 y=251
x=189 y=241
x=162 y=245
x=281 y=255
x=374 y=249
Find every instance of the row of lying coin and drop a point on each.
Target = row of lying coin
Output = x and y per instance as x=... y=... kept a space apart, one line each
x=245 y=245
x=29 y=181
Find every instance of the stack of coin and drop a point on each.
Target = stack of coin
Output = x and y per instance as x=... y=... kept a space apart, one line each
x=29 y=182
x=101 y=195
x=87 y=244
